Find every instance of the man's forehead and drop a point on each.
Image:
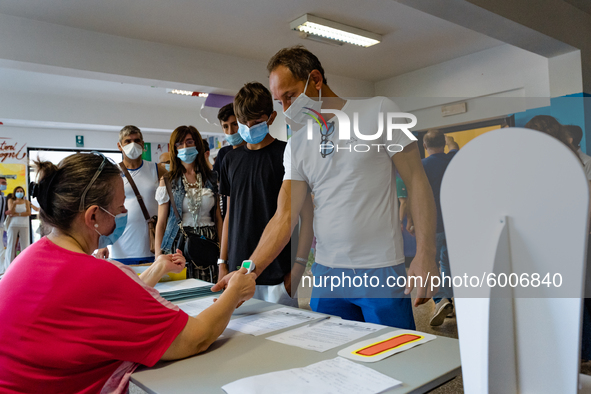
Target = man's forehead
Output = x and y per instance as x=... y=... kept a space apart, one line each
x=133 y=136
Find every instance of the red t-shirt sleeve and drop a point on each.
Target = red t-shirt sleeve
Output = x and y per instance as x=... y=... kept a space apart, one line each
x=140 y=328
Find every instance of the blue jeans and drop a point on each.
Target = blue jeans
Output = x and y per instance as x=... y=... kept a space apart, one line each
x=442 y=257
x=381 y=305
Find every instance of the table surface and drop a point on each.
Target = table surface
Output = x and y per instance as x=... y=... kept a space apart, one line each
x=420 y=369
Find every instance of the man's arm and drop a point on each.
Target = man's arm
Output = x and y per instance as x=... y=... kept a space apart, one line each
x=451 y=144
x=423 y=212
x=223 y=268
x=278 y=231
x=292 y=279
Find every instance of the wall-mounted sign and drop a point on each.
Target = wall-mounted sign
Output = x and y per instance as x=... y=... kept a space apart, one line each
x=12 y=150
x=79 y=141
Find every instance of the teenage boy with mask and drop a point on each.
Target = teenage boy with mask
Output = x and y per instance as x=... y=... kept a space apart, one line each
x=133 y=247
x=251 y=177
x=355 y=205
x=229 y=124
x=3 y=209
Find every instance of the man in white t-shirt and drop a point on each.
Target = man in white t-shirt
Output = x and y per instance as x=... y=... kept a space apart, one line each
x=134 y=245
x=353 y=181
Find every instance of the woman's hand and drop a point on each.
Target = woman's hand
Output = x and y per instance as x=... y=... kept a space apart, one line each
x=174 y=263
x=243 y=284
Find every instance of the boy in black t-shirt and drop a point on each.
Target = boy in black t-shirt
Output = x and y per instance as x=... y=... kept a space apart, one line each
x=251 y=177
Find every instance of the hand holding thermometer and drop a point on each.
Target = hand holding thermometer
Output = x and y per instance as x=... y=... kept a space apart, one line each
x=249 y=265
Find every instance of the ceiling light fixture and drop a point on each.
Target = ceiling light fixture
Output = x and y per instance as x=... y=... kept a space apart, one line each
x=187 y=92
x=324 y=28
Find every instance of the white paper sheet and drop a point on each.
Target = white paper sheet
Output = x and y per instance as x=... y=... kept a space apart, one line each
x=352 y=352
x=266 y=322
x=180 y=285
x=195 y=307
x=326 y=335
x=335 y=376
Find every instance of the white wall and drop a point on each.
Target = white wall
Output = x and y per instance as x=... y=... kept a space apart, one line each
x=499 y=74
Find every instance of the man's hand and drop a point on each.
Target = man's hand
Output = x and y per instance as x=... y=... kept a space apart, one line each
x=223 y=282
x=223 y=271
x=102 y=253
x=425 y=268
x=451 y=144
x=410 y=227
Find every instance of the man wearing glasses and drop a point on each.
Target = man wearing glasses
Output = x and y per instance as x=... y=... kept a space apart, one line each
x=134 y=245
x=356 y=212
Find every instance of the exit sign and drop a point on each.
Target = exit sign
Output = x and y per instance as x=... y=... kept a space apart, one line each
x=79 y=141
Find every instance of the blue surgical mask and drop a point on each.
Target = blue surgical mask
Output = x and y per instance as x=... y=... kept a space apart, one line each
x=167 y=166
x=254 y=134
x=120 y=224
x=2 y=187
x=234 y=139
x=19 y=194
x=187 y=155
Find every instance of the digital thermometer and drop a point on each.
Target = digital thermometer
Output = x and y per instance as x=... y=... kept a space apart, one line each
x=249 y=265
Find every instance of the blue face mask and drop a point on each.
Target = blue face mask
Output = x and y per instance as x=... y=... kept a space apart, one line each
x=187 y=155
x=19 y=194
x=254 y=134
x=2 y=187
x=234 y=139
x=120 y=223
x=167 y=166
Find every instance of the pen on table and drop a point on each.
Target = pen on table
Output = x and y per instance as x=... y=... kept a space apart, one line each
x=318 y=321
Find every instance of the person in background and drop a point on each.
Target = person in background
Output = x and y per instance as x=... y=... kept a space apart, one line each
x=73 y=323
x=229 y=124
x=134 y=245
x=575 y=134
x=194 y=188
x=19 y=210
x=435 y=165
x=207 y=153
x=164 y=159
x=3 y=209
x=251 y=178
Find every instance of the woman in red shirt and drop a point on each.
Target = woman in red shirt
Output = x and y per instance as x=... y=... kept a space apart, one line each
x=74 y=323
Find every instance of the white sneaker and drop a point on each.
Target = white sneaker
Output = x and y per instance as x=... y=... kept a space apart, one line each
x=442 y=309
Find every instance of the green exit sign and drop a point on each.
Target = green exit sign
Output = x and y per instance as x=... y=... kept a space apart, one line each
x=79 y=141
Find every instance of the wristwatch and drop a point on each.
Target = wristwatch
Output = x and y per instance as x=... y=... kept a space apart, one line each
x=221 y=261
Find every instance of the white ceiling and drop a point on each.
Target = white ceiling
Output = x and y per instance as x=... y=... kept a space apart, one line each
x=256 y=29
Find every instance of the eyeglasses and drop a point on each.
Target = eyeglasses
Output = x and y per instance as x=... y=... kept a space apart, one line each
x=188 y=143
x=326 y=145
x=96 y=175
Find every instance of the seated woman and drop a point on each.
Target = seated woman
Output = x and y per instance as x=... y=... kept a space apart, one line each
x=194 y=187
x=74 y=323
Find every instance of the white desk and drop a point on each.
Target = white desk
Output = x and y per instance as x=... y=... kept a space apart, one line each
x=421 y=368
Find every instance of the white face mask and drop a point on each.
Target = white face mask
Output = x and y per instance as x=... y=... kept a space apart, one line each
x=133 y=150
x=298 y=109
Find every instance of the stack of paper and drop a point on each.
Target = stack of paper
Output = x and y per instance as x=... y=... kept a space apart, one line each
x=184 y=289
x=269 y=321
x=195 y=307
x=335 y=376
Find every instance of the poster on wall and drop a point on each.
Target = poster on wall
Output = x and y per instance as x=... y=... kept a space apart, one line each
x=16 y=175
x=160 y=148
x=147 y=155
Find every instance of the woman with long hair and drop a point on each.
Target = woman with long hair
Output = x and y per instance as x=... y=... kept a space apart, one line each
x=19 y=211
x=194 y=188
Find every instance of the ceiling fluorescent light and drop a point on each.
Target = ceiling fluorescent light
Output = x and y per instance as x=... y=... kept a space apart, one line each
x=316 y=26
x=187 y=92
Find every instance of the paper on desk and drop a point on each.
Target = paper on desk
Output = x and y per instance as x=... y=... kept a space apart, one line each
x=276 y=319
x=335 y=376
x=195 y=307
x=179 y=285
x=326 y=335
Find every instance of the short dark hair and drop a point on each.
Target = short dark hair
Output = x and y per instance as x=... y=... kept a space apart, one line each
x=434 y=139
x=253 y=101
x=3 y=177
x=549 y=125
x=574 y=132
x=300 y=61
x=225 y=112
x=205 y=145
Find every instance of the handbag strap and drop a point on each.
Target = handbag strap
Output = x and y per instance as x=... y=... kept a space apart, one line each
x=171 y=197
x=140 y=200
